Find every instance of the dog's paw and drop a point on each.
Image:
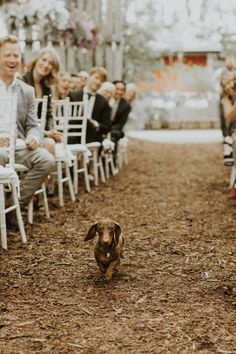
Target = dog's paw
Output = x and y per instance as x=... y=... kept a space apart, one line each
x=108 y=276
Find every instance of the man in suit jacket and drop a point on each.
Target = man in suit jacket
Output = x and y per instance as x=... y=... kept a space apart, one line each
x=120 y=111
x=99 y=111
x=38 y=160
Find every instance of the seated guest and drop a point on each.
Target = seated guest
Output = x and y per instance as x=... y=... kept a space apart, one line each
x=63 y=86
x=38 y=160
x=76 y=83
x=42 y=73
x=227 y=114
x=130 y=92
x=98 y=124
x=107 y=90
x=83 y=75
x=228 y=109
x=120 y=111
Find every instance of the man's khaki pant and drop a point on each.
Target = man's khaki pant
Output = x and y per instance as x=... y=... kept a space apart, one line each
x=39 y=162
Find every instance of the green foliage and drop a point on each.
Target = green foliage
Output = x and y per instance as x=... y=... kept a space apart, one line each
x=139 y=38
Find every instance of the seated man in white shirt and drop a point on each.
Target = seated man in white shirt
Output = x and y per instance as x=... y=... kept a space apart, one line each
x=39 y=162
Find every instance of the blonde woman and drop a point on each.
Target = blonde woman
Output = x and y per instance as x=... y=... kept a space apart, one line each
x=42 y=73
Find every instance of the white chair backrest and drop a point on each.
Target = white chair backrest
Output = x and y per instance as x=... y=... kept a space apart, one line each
x=8 y=127
x=60 y=112
x=77 y=124
x=43 y=112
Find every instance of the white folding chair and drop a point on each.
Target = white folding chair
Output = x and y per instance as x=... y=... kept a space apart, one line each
x=122 y=152
x=8 y=176
x=97 y=163
x=77 y=128
x=64 y=157
x=107 y=154
x=43 y=111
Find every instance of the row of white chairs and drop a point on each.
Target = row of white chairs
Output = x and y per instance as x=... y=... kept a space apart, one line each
x=69 y=119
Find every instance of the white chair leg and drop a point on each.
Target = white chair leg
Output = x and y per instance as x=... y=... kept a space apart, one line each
x=69 y=181
x=107 y=168
x=95 y=166
x=30 y=211
x=60 y=183
x=3 y=217
x=86 y=177
x=232 y=177
x=113 y=169
x=126 y=157
x=75 y=174
x=45 y=201
x=102 y=174
x=18 y=213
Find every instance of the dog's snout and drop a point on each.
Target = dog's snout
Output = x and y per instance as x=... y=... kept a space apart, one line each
x=106 y=239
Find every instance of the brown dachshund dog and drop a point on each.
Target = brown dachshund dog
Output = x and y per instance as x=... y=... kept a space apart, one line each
x=109 y=248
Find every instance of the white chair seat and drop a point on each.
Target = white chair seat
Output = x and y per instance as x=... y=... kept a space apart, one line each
x=93 y=145
x=8 y=172
x=20 y=167
x=64 y=154
x=78 y=148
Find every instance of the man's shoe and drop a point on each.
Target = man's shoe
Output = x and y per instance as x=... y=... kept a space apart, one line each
x=228 y=160
x=232 y=194
x=228 y=151
x=11 y=221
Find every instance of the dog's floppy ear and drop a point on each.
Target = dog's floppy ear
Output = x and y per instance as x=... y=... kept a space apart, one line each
x=117 y=232
x=91 y=232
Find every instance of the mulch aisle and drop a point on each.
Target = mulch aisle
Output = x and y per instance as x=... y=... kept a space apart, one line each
x=175 y=291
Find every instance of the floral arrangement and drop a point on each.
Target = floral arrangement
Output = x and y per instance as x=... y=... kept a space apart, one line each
x=74 y=28
x=81 y=32
x=44 y=13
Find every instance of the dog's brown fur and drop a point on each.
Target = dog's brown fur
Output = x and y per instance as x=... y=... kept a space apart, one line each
x=109 y=248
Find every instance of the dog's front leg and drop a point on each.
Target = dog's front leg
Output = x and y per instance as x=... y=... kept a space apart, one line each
x=102 y=267
x=111 y=268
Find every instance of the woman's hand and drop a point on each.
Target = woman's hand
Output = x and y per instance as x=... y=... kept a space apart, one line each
x=94 y=122
x=4 y=142
x=32 y=143
x=54 y=134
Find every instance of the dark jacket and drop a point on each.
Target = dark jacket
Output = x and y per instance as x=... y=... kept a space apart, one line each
x=46 y=90
x=120 y=118
x=101 y=113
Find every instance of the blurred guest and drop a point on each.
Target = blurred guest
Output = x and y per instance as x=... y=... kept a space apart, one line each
x=227 y=116
x=62 y=87
x=76 y=82
x=107 y=90
x=228 y=72
x=120 y=111
x=99 y=111
x=130 y=92
x=83 y=75
x=42 y=73
x=39 y=161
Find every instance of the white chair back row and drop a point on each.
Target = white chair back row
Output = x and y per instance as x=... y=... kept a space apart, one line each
x=41 y=111
x=60 y=111
x=8 y=176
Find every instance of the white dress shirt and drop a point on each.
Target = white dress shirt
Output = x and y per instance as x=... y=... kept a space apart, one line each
x=4 y=118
